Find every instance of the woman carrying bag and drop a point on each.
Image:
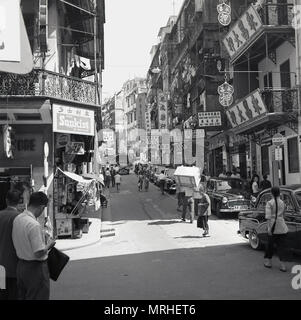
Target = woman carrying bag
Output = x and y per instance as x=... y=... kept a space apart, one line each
x=277 y=229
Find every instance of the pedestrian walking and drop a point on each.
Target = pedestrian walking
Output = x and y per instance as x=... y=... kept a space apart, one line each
x=265 y=183
x=204 y=211
x=140 y=181
x=277 y=229
x=8 y=256
x=162 y=179
x=146 y=182
x=188 y=205
x=118 y=181
x=255 y=186
x=32 y=251
x=180 y=197
x=108 y=177
x=113 y=173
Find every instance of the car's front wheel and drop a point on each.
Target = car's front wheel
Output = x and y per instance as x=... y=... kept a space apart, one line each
x=219 y=214
x=254 y=240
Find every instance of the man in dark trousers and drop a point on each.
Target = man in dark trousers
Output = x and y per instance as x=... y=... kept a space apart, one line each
x=32 y=251
x=8 y=256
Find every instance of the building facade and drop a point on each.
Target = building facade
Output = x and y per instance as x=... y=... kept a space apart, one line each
x=53 y=108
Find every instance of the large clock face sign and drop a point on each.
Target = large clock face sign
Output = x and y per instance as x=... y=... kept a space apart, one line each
x=224 y=13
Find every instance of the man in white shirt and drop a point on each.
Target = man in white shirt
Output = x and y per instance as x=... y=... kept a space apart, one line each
x=32 y=251
x=162 y=178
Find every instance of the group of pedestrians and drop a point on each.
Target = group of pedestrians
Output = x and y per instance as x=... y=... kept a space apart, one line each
x=196 y=204
x=143 y=180
x=24 y=248
x=109 y=174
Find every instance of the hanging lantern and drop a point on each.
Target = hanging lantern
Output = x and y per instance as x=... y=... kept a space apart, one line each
x=224 y=13
x=225 y=92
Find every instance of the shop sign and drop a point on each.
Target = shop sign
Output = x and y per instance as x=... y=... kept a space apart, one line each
x=148 y=118
x=225 y=92
x=278 y=139
x=73 y=120
x=247 y=109
x=75 y=148
x=62 y=140
x=242 y=31
x=224 y=13
x=162 y=106
x=210 y=119
x=278 y=154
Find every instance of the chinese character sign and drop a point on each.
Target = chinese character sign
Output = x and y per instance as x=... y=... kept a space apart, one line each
x=10 y=36
x=73 y=120
x=242 y=31
x=247 y=109
x=162 y=106
x=210 y=119
x=224 y=13
x=225 y=92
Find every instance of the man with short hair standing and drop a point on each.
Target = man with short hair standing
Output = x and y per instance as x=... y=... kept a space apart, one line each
x=32 y=251
x=8 y=256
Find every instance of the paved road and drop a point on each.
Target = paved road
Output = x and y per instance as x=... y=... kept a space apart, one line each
x=155 y=256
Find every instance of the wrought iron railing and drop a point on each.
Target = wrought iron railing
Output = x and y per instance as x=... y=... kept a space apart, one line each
x=50 y=84
x=279 y=14
x=281 y=100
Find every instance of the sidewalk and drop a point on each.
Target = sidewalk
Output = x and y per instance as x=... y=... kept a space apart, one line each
x=88 y=239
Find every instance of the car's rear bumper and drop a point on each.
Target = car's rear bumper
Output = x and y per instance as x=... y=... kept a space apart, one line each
x=232 y=210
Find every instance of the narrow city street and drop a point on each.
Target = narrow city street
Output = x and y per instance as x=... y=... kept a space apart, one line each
x=150 y=254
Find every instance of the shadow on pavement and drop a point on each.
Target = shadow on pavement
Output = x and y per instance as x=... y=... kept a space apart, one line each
x=163 y=222
x=215 y=272
x=189 y=237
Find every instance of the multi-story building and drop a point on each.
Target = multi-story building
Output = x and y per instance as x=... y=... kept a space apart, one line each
x=52 y=105
x=262 y=48
x=134 y=92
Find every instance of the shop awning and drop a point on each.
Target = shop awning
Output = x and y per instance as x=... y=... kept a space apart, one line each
x=76 y=177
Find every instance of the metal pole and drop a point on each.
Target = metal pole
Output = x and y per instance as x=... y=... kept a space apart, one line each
x=95 y=60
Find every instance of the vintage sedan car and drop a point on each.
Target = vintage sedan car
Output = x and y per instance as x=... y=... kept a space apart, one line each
x=228 y=195
x=124 y=171
x=253 y=225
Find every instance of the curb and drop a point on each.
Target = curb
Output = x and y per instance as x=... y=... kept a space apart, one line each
x=81 y=246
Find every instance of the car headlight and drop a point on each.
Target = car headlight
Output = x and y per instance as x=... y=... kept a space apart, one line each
x=224 y=200
x=253 y=199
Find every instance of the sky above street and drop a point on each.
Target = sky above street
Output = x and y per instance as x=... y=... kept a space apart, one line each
x=131 y=30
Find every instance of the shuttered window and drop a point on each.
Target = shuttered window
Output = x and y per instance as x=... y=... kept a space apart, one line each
x=293 y=155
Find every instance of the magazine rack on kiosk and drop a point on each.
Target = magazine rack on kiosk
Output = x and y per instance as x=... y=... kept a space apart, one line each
x=70 y=197
x=188 y=179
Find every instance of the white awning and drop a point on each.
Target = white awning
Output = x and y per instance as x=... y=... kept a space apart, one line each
x=76 y=177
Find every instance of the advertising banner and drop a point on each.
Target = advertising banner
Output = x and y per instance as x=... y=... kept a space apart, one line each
x=73 y=120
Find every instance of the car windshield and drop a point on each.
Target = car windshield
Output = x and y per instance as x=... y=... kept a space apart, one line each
x=223 y=186
x=298 y=198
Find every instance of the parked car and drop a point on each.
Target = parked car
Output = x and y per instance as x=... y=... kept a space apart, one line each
x=124 y=171
x=253 y=225
x=228 y=195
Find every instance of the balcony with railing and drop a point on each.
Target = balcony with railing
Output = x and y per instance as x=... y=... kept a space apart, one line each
x=42 y=83
x=269 y=26
x=262 y=109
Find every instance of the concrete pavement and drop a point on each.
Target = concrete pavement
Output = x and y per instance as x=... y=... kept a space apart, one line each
x=154 y=256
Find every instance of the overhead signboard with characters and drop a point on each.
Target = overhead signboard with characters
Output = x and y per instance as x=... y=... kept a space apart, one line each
x=73 y=120
x=248 y=109
x=242 y=32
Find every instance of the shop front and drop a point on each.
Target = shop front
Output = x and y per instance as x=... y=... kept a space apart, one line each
x=76 y=188
x=22 y=159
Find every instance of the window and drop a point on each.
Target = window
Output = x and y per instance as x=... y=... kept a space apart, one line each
x=298 y=198
x=288 y=202
x=293 y=155
x=264 y=200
